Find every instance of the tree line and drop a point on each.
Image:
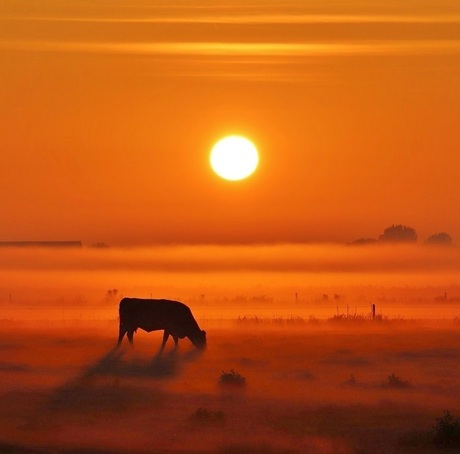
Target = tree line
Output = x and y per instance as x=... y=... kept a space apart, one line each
x=404 y=234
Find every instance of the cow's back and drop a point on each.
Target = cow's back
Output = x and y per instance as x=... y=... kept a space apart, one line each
x=157 y=314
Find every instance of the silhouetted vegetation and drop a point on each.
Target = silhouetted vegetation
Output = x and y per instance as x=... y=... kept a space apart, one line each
x=442 y=239
x=403 y=234
x=395 y=382
x=394 y=234
x=296 y=321
x=202 y=415
x=447 y=431
x=445 y=434
x=353 y=317
x=232 y=378
x=111 y=293
x=255 y=320
x=398 y=234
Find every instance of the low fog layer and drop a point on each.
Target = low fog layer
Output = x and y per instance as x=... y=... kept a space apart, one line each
x=248 y=279
x=284 y=258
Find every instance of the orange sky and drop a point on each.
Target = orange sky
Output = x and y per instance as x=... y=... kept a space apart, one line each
x=109 y=110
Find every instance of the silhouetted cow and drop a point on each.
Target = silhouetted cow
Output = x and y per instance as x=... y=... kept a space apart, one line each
x=173 y=317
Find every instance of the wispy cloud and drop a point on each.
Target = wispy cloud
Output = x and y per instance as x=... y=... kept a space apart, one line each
x=259 y=19
x=274 y=49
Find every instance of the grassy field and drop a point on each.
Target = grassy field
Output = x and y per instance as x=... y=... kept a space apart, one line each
x=258 y=388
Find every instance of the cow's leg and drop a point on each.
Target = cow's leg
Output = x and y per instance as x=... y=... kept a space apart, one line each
x=121 y=335
x=165 y=338
x=176 y=341
x=130 y=336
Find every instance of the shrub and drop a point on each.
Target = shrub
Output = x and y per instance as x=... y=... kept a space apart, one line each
x=232 y=378
x=445 y=434
x=395 y=382
x=203 y=415
x=447 y=431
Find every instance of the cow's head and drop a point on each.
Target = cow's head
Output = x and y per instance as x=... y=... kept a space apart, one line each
x=199 y=339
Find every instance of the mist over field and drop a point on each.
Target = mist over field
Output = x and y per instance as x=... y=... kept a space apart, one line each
x=308 y=388
x=275 y=275
x=109 y=112
x=283 y=258
x=294 y=321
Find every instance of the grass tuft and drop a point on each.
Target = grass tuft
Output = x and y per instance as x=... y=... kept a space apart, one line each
x=447 y=431
x=232 y=378
x=395 y=382
x=204 y=416
x=444 y=434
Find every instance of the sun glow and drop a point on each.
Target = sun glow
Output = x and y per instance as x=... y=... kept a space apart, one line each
x=234 y=158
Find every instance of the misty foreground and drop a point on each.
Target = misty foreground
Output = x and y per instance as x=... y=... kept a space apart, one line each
x=318 y=388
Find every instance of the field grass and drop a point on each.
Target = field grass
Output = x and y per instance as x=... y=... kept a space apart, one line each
x=308 y=388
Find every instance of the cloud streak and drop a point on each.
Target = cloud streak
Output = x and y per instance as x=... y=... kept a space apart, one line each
x=269 y=19
x=274 y=49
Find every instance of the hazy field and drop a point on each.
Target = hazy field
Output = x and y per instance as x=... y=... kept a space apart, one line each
x=64 y=388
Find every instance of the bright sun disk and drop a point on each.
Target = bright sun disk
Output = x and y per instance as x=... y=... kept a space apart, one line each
x=234 y=158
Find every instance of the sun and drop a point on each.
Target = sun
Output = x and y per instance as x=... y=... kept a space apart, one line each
x=234 y=158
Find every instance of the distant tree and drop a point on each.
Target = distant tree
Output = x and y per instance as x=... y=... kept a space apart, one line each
x=398 y=234
x=111 y=293
x=441 y=238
